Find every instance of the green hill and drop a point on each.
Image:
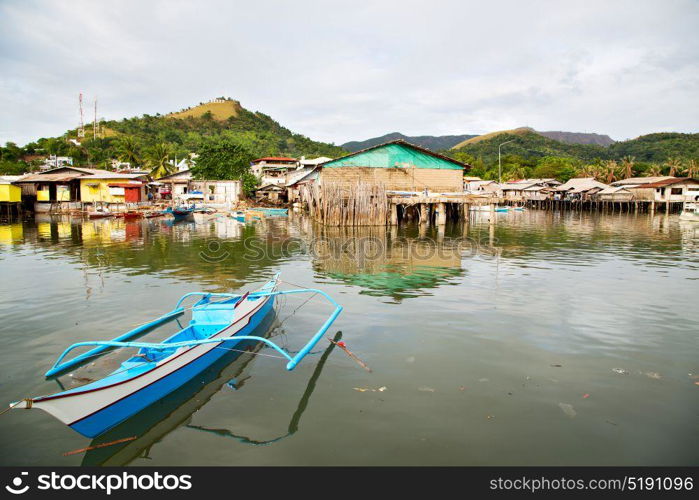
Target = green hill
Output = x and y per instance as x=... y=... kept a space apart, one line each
x=528 y=144
x=183 y=132
x=654 y=148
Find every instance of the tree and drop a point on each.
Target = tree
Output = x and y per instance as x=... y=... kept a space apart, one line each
x=128 y=150
x=222 y=158
x=610 y=171
x=692 y=168
x=627 y=166
x=674 y=164
x=654 y=171
x=157 y=160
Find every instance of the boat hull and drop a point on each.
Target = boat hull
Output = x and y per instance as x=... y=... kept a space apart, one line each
x=94 y=412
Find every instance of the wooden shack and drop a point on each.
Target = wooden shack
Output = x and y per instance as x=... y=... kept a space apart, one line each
x=398 y=166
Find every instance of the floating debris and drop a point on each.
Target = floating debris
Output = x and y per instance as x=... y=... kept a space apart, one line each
x=483 y=380
x=369 y=389
x=611 y=423
x=585 y=396
x=490 y=417
x=425 y=389
x=568 y=409
x=620 y=371
x=341 y=344
x=654 y=375
x=556 y=365
x=462 y=388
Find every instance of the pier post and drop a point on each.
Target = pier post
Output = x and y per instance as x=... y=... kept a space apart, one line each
x=441 y=214
x=423 y=213
x=394 y=214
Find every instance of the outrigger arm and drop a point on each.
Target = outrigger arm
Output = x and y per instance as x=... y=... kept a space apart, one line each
x=119 y=342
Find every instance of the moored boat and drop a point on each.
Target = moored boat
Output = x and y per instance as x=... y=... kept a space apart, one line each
x=180 y=213
x=204 y=214
x=690 y=212
x=157 y=369
x=99 y=213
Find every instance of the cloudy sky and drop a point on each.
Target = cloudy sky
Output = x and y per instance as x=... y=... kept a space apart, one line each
x=350 y=70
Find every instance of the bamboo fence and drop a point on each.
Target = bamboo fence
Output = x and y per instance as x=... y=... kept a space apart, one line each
x=359 y=204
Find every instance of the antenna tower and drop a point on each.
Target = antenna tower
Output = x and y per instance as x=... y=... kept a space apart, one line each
x=81 y=129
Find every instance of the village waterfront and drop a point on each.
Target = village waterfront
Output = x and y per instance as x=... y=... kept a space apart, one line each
x=537 y=338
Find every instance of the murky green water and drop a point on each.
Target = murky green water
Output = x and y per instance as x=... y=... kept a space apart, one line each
x=542 y=339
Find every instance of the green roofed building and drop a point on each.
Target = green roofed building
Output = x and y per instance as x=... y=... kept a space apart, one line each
x=399 y=166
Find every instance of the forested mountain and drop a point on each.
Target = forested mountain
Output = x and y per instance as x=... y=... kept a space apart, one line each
x=530 y=154
x=431 y=142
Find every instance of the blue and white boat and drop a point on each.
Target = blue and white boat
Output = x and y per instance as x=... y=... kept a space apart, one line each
x=180 y=213
x=220 y=321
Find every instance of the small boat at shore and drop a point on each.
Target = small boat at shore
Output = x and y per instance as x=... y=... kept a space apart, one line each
x=219 y=323
x=180 y=213
x=690 y=212
x=204 y=215
x=99 y=214
x=271 y=212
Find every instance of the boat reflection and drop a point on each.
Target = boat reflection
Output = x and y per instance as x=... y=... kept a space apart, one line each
x=295 y=418
x=383 y=263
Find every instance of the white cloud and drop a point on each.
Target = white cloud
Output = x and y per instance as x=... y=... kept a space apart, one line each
x=339 y=71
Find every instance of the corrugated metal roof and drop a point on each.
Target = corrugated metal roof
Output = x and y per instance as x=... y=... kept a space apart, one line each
x=396 y=154
x=49 y=177
x=274 y=158
x=640 y=180
x=669 y=182
x=581 y=184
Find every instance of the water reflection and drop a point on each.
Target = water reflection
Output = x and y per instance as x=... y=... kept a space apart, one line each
x=382 y=263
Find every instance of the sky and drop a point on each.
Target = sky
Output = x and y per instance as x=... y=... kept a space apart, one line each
x=350 y=70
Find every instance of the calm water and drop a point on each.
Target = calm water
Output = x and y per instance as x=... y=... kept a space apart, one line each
x=540 y=339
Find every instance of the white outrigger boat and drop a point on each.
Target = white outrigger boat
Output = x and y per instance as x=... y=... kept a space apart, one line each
x=690 y=212
x=158 y=369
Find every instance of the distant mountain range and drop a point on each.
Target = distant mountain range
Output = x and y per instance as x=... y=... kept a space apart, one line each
x=527 y=143
x=444 y=142
x=431 y=142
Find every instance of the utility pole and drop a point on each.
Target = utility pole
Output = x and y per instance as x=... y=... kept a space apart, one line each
x=500 y=161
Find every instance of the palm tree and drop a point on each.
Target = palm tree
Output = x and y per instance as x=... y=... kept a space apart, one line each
x=610 y=171
x=654 y=171
x=127 y=150
x=692 y=168
x=157 y=160
x=674 y=164
x=627 y=166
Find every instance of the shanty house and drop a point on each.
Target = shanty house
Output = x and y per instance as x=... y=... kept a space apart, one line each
x=615 y=193
x=273 y=169
x=9 y=193
x=673 y=189
x=398 y=166
x=580 y=188
x=113 y=188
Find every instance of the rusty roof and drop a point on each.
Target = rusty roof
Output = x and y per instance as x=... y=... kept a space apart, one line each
x=49 y=177
x=667 y=182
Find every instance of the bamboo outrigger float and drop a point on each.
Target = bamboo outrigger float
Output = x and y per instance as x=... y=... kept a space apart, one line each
x=160 y=368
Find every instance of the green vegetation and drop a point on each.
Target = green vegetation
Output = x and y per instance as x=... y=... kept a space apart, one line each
x=531 y=155
x=225 y=158
x=143 y=141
